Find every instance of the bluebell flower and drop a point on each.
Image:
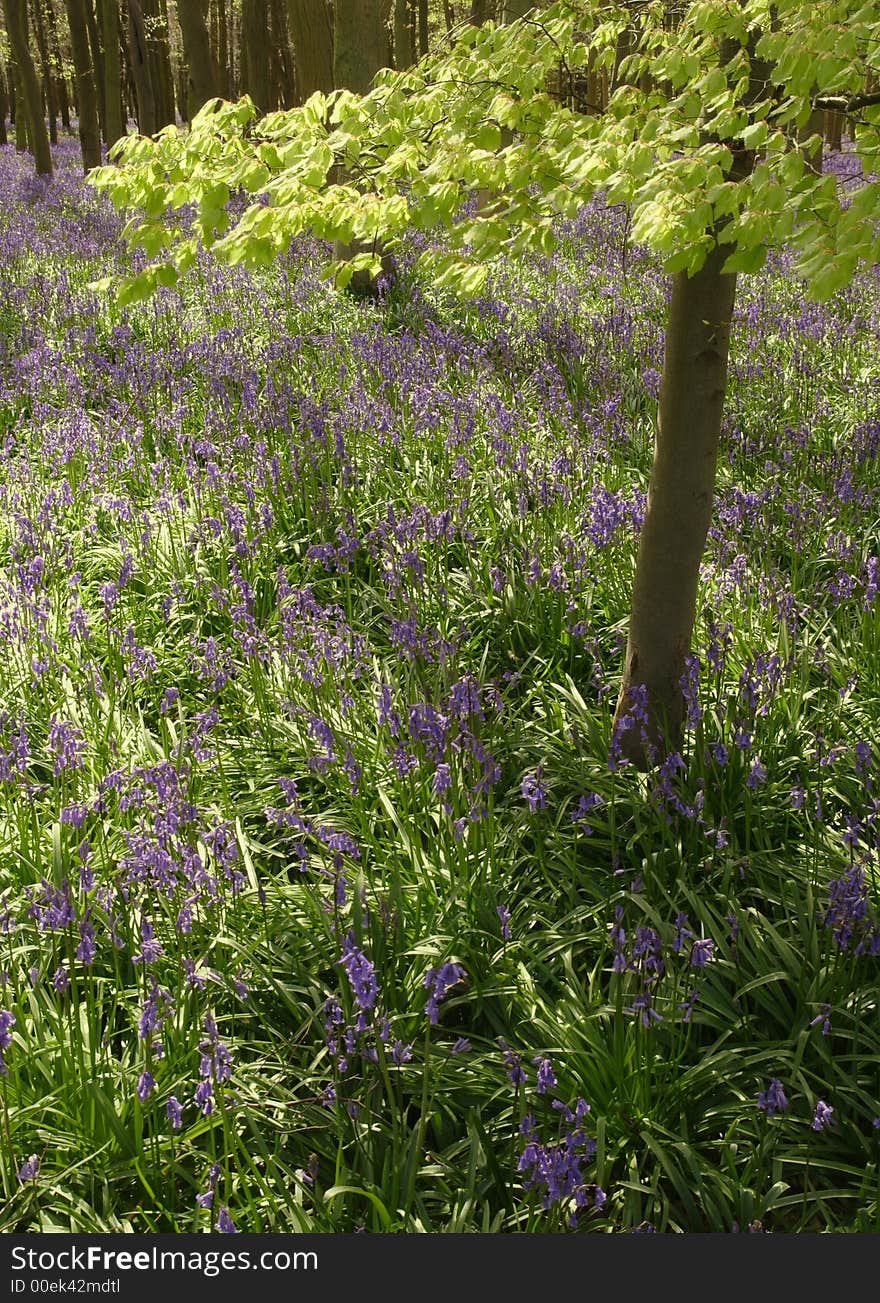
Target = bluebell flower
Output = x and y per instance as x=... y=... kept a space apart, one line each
x=823 y=1116
x=773 y=1100
x=438 y=981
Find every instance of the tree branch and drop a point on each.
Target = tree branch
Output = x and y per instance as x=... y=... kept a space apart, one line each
x=844 y=104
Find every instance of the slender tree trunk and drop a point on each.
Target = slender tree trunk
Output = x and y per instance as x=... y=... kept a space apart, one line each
x=834 y=130
x=86 y=97
x=114 y=122
x=403 y=51
x=513 y=9
x=97 y=62
x=222 y=47
x=479 y=12
x=4 y=104
x=285 y=66
x=311 y=27
x=679 y=508
x=203 y=81
x=423 y=27
x=57 y=65
x=15 y=13
x=22 y=142
x=140 y=70
x=46 y=70
x=359 y=51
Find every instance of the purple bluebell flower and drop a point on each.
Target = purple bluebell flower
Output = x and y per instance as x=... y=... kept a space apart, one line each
x=546 y=1075
x=174 y=1112
x=438 y=981
x=225 y=1224
x=504 y=915
x=29 y=1170
x=361 y=973
x=774 y=1099
x=702 y=951
x=823 y=1116
x=534 y=792
x=145 y=1086
x=823 y=1017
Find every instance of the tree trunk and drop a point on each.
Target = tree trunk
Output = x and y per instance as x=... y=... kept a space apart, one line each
x=359 y=46
x=97 y=62
x=4 y=104
x=57 y=65
x=140 y=70
x=255 y=67
x=513 y=9
x=834 y=130
x=222 y=48
x=312 y=30
x=114 y=122
x=203 y=81
x=423 y=27
x=86 y=97
x=403 y=51
x=478 y=12
x=15 y=13
x=46 y=70
x=284 y=78
x=359 y=51
x=679 y=509
x=159 y=54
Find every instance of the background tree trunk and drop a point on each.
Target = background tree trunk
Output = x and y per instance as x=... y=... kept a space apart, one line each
x=57 y=65
x=423 y=27
x=255 y=66
x=312 y=30
x=202 y=78
x=114 y=121
x=46 y=70
x=30 y=108
x=97 y=61
x=140 y=70
x=403 y=50
x=4 y=104
x=86 y=97
x=359 y=45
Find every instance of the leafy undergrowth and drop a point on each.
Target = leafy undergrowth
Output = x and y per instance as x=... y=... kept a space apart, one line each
x=320 y=905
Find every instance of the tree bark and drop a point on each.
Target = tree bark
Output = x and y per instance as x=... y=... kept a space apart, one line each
x=403 y=49
x=140 y=70
x=679 y=509
x=114 y=122
x=479 y=12
x=97 y=61
x=423 y=27
x=46 y=70
x=311 y=27
x=359 y=46
x=255 y=66
x=223 y=63
x=4 y=104
x=57 y=65
x=203 y=81
x=86 y=97
x=359 y=51
x=15 y=13
x=513 y=9
x=285 y=90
